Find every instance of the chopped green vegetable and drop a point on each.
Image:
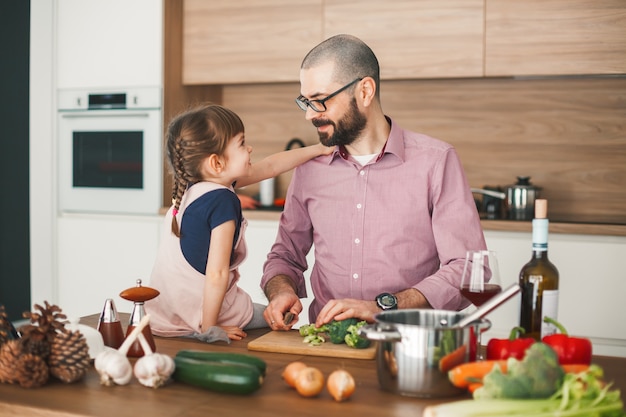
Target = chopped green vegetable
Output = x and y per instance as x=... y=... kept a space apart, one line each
x=538 y=375
x=580 y=395
x=339 y=331
x=353 y=339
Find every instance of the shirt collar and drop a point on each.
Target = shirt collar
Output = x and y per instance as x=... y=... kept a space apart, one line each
x=394 y=145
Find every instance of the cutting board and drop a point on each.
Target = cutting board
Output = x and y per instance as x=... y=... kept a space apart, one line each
x=291 y=342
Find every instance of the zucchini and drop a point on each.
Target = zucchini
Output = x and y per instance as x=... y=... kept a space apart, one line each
x=224 y=357
x=223 y=377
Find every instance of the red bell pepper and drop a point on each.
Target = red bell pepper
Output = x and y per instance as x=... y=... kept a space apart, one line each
x=570 y=350
x=513 y=347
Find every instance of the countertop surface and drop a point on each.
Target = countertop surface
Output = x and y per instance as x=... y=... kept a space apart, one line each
x=88 y=398
x=500 y=225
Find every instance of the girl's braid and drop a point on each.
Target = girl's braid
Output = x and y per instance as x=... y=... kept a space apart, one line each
x=179 y=186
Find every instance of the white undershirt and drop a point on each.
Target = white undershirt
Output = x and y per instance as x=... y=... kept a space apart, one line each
x=364 y=159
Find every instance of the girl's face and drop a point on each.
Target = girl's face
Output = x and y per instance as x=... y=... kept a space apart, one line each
x=237 y=157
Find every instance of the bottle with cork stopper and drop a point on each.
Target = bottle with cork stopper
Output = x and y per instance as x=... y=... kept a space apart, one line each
x=539 y=280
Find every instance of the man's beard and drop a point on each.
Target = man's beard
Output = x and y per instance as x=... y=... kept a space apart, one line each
x=345 y=130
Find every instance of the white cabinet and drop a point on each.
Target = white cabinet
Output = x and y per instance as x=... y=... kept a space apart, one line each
x=113 y=43
x=592 y=284
x=100 y=256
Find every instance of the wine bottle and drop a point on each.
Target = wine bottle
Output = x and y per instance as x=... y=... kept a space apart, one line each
x=539 y=280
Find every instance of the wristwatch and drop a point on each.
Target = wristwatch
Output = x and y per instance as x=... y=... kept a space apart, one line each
x=387 y=301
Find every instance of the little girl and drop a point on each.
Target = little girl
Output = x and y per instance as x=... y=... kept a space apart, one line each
x=203 y=243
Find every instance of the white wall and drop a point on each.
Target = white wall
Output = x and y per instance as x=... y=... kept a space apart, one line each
x=42 y=154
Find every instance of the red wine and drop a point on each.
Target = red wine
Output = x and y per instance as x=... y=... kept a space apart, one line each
x=479 y=298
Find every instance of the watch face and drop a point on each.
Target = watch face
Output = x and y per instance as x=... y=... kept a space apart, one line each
x=387 y=301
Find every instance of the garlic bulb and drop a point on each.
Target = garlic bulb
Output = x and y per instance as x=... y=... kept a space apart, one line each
x=113 y=365
x=153 y=369
x=114 y=368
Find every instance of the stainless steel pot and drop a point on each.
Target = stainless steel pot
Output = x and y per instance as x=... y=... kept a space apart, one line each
x=412 y=344
x=519 y=198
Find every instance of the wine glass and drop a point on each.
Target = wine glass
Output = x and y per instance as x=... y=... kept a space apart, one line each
x=480 y=282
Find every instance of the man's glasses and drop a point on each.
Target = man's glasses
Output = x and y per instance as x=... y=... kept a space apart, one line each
x=320 y=105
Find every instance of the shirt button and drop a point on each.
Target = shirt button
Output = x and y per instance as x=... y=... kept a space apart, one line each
x=357 y=240
x=361 y=173
x=355 y=276
x=359 y=206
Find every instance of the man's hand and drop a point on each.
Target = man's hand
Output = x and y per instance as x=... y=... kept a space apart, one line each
x=366 y=310
x=282 y=300
x=347 y=308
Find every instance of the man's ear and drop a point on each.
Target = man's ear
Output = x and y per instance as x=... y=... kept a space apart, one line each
x=368 y=90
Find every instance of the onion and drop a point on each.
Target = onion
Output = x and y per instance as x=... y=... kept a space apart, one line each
x=340 y=385
x=309 y=382
x=291 y=371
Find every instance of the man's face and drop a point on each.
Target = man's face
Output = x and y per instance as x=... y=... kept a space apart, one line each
x=343 y=131
x=342 y=122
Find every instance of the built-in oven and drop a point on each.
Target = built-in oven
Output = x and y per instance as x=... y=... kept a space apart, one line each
x=110 y=151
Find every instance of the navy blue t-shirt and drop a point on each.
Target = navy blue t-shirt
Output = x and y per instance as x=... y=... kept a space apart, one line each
x=199 y=219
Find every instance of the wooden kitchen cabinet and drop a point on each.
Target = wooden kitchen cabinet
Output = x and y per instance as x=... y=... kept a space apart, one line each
x=555 y=37
x=247 y=41
x=255 y=42
x=414 y=38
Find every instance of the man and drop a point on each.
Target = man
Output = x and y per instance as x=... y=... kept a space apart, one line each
x=389 y=212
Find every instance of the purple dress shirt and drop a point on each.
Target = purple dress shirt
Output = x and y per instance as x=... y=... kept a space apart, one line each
x=404 y=220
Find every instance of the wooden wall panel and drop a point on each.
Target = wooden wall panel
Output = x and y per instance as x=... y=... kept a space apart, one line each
x=568 y=134
x=552 y=37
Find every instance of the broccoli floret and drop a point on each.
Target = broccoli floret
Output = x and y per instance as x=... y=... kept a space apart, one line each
x=337 y=330
x=310 y=329
x=538 y=375
x=353 y=339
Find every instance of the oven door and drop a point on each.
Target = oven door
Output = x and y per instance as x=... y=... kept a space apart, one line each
x=110 y=161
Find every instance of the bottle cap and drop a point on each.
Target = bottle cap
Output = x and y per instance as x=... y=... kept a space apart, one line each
x=541 y=209
x=109 y=312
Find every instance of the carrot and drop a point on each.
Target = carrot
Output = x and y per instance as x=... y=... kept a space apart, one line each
x=575 y=368
x=474 y=386
x=452 y=359
x=464 y=374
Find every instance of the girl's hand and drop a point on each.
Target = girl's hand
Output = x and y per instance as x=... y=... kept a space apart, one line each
x=247 y=202
x=234 y=332
x=325 y=150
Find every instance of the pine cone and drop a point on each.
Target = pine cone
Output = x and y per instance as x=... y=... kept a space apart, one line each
x=31 y=371
x=69 y=356
x=5 y=326
x=10 y=353
x=45 y=323
x=34 y=341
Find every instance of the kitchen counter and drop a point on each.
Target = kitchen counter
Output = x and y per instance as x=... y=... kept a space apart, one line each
x=88 y=398
x=500 y=225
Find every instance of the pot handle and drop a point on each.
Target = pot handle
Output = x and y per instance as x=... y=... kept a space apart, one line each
x=380 y=333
